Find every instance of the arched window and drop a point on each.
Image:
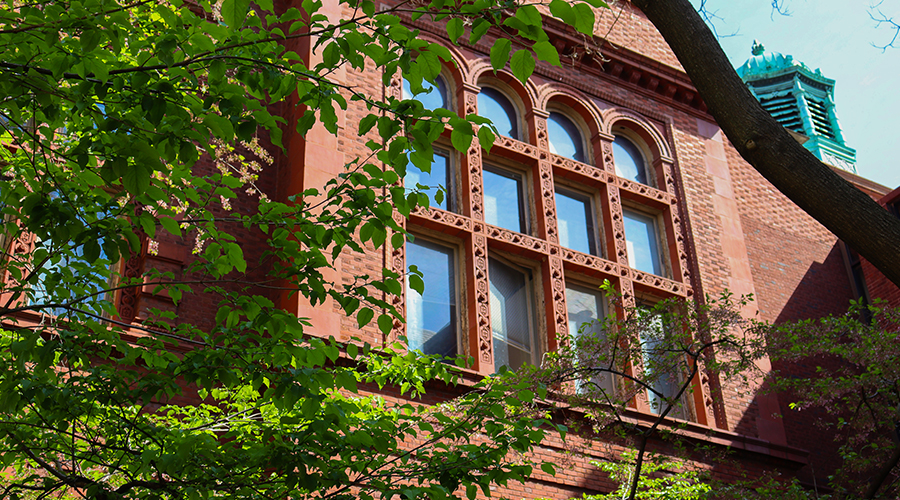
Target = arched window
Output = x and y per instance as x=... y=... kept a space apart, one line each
x=432 y=97
x=496 y=106
x=565 y=138
x=629 y=160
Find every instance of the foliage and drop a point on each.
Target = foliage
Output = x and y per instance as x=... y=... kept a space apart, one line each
x=650 y=354
x=851 y=375
x=660 y=480
x=109 y=111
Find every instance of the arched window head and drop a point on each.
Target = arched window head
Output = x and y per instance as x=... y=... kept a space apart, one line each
x=629 y=160
x=565 y=138
x=432 y=97
x=499 y=109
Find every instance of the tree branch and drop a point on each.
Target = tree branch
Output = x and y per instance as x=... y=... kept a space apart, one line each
x=866 y=226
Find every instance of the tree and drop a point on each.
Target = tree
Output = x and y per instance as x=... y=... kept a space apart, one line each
x=856 y=383
x=125 y=122
x=765 y=144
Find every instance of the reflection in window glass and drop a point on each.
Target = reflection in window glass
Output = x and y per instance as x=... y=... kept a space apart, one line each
x=512 y=320
x=494 y=105
x=586 y=311
x=641 y=239
x=504 y=199
x=565 y=139
x=576 y=222
x=439 y=176
x=431 y=317
x=433 y=97
x=629 y=161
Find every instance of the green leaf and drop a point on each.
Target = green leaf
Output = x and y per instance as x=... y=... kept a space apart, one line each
x=136 y=178
x=364 y=316
x=500 y=53
x=234 y=12
x=529 y=15
x=219 y=126
x=600 y=4
x=486 y=138
x=522 y=65
x=545 y=51
x=461 y=140
x=416 y=283
x=548 y=468
x=584 y=18
x=385 y=323
x=455 y=29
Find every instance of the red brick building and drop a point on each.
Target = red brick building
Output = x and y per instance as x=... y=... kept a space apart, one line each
x=608 y=168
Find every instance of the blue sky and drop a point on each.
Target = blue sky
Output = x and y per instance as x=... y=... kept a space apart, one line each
x=835 y=36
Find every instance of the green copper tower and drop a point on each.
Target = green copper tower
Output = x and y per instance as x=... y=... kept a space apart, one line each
x=800 y=99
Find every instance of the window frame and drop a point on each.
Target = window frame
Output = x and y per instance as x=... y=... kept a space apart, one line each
x=534 y=318
x=459 y=284
x=595 y=228
x=451 y=200
x=686 y=409
x=641 y=147
x=660 y=234
x=580 y=125
x=525 y=216
x=578 y=285
x=447 y=96
x=518 y=119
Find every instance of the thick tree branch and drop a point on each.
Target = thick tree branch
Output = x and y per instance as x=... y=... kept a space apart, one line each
x=844 y=210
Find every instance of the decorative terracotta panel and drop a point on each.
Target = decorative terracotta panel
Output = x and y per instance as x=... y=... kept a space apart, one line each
x=481 y=345
x=518 y=240
x=443 y=220
x=557 y=313
x=545 y=196
x=579 y=168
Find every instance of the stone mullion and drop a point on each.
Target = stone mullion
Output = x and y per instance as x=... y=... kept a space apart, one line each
x=538 y=121
x=396 y=257
x=22 y=245
x=472 y=188
x=545 y=203
x=555 y=302
x=675 y=230
x=478 y=298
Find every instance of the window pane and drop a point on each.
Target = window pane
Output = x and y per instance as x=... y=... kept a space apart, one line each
x=494 y=105
x=565 y=139
x=661 y=368
x=432 y=97
x=629 y=161
x=586 y=311
x=439 y=176
x=431 y=317
x=576 y=222
x=641 y=239
x=503 y=199
x=511 y=315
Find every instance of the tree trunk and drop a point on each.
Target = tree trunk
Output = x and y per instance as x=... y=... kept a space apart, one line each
x=845 y=210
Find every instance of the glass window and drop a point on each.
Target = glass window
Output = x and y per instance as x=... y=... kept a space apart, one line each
x=642 y=242
x=432 y=97
x=512 y=317
x=662 y=365
x=565 y=138
x=504 y=199
x=629 y=160
x=438 y=178
x=575 y=218
x=431 y=317
x=494 y=105
x=586 y=311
